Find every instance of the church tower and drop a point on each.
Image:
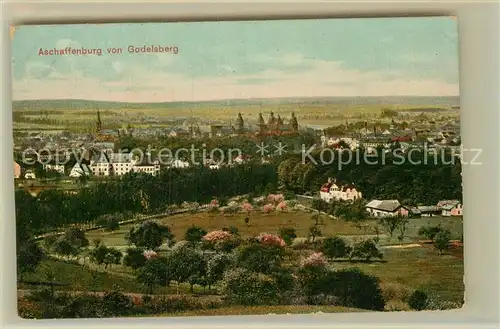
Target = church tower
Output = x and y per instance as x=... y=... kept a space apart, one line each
x=98 y=122
x=239 y=124
x=261 y=124
x=294 y=123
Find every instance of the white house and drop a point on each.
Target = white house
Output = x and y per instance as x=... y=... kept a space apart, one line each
x=54 y=167
x=152 y=168
x=179 y=164
x=386 y=208
x=332 y=191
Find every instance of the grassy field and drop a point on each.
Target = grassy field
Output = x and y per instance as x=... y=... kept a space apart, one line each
x=416 y=267
x=259 y=223
x=419 y=267
x=271 y=223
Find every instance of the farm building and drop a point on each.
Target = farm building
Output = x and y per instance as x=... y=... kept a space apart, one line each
x=450 y=208
x=386 y=208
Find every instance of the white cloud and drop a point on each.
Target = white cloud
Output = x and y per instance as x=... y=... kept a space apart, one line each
x=323 y=79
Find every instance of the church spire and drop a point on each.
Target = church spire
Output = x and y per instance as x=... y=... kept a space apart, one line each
x=99 y=122
x=239 y=124
x=294 y=123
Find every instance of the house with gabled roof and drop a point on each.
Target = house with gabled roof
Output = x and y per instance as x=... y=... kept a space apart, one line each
x=450 y=208
x=386 y=208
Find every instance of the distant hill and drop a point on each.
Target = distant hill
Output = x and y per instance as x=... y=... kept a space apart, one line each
x=355 y=101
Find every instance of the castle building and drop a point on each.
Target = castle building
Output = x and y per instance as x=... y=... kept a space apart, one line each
x=276 y=125
x=333 y=191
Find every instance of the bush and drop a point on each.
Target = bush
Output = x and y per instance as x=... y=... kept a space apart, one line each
x=418 y=300
x=335 y=247
x=259 y=258
x=114 y=303
x=395 y=291
x=429 y=232
x=288 y=234
x=244 y=287
x=356 y=289
x=396 y=306
x=436 y=304
x=194 y=234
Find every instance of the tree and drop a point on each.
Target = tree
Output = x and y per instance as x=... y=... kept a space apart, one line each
x=314 y=232
x=288 y=234
x=366 y=250
x=134 y=258
x=429 y=232
x=28 y=258
x=63 y=248
x=244 y=287
x=256 y=257
x=194 y=234
x=110 y=222
x=76 y=237
x=49 y=241
x=335 y=247
x=188 y=265
x=390 y=223
x=418 y=300
x=154 y=273
x=216 y=266
x=442 y=240
x=150 y=235
x=402 y=228
x=319 y=205
x=102 y=255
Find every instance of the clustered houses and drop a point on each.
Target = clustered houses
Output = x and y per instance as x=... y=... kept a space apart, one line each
x=332 y=191
x=433 y=136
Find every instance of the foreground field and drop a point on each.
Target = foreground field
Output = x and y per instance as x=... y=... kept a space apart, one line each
x=267 y=310
x=411 y=264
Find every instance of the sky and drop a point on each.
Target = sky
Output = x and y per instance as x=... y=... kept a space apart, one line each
x=245 y=59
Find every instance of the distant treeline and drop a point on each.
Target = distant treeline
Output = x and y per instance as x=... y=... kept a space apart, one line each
x=352 y=101
x=379 y=178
